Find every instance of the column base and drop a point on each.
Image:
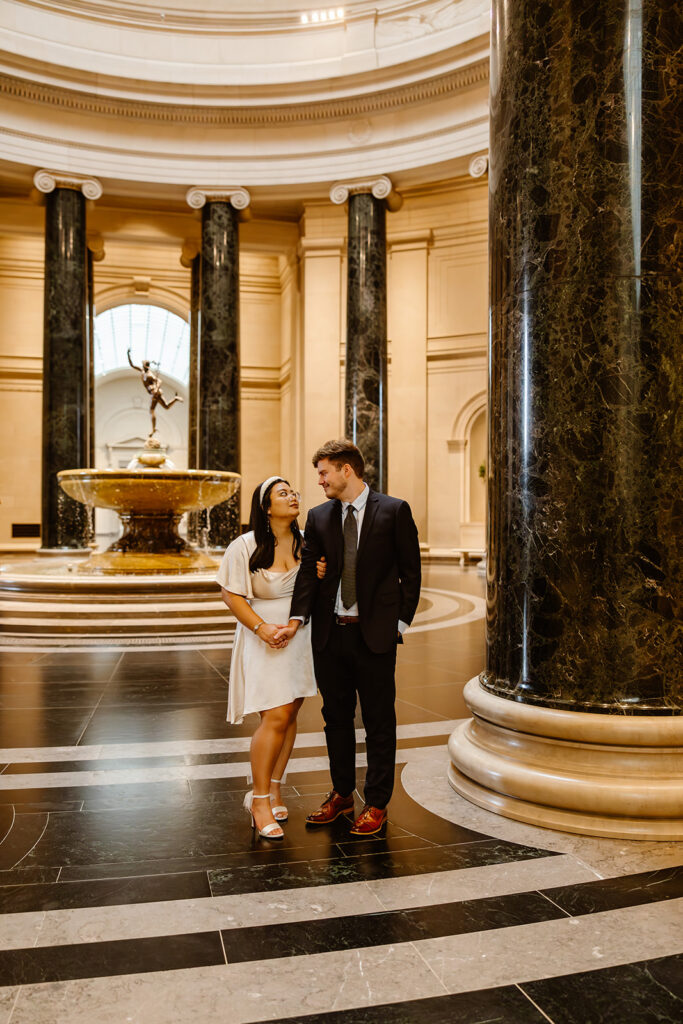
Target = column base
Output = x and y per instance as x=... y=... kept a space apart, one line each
x=602 y=775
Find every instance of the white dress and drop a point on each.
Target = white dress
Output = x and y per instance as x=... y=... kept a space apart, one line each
x=260 y=677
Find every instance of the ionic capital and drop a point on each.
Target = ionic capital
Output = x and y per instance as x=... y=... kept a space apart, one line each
x=48 y=181
x=380 y=187
x=197 y=196
x=479 y=165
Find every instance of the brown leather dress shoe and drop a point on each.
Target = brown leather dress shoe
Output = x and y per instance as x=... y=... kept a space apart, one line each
x=369 y=821
x=332 y=806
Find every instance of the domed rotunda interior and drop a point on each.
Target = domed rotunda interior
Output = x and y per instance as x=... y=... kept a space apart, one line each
x=445 y=231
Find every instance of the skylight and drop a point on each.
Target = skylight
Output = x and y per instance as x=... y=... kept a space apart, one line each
x=151 y=332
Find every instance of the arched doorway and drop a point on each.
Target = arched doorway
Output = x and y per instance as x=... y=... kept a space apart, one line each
x=122 y=421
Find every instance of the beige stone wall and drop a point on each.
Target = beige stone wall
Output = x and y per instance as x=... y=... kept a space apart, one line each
x=21 y=342
x=437 y=281
x=293 y=301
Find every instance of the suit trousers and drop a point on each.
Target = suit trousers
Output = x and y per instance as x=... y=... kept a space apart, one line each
x=346 y=667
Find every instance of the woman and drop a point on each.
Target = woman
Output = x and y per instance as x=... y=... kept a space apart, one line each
x=257 y=577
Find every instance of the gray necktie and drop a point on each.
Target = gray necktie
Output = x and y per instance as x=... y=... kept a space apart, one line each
x=348 y=580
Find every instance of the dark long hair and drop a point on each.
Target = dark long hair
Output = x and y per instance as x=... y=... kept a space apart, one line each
x=264 y=554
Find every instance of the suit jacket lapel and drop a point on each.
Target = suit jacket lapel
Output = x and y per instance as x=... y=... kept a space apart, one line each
x=368 y=518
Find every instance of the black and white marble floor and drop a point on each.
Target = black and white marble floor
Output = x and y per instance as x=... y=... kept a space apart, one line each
x=133 y=892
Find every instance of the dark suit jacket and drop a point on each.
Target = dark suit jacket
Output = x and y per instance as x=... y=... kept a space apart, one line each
x=387 y=571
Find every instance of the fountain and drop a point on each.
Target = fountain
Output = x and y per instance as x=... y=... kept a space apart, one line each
x=150 y=503
x=150 y=587
x=150 y=497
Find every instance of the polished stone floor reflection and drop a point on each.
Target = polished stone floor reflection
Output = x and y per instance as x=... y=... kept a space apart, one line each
x=132 y=890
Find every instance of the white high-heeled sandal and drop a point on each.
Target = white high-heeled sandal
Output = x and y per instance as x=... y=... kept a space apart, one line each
x=269 y=831
x=280 y=812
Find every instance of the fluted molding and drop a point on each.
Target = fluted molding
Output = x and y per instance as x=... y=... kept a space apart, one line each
x=230 y=113
x=236 y=195
x=48 y=181
x=380 y=187
x=479 y=165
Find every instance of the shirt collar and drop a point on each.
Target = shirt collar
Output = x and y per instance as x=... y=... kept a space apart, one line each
x=360 y=502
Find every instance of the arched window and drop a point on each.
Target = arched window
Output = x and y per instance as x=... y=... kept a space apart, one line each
x=151 y=332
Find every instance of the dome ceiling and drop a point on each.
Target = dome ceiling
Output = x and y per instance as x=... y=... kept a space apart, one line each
x=225 y=15
x=229 y=93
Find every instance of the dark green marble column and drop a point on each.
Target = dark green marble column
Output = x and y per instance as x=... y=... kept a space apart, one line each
x=195 y=299
x=218 y=429
x=193 y=404
x=65 y=522
x=585 y=551
x=90 y=314
x=366 y=334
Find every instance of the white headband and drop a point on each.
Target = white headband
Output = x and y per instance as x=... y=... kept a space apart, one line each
x=266 y=484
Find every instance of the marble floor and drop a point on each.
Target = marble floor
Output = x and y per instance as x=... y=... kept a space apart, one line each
x=133 y=892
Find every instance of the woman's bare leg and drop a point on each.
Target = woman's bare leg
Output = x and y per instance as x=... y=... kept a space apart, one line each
x=266 y=744
x=285 y=751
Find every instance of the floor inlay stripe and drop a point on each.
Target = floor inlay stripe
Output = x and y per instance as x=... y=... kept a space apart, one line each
x=348 y=979
x=54 y=961
x=387 y=928
x=49 y=780
x=165 y=905
x=508 y=1005
x=111 y=751
x=317 y=919
x=105 y=959
x=173 y=760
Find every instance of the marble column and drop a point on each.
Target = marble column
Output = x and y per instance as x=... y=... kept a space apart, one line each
x=66 y=524
x=94 y=254
x=577 y=716
x=190 y=258
x=90 y=333
x=366 y=320
x=218 y=427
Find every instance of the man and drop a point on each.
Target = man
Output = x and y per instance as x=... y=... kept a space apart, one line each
x=359 y=610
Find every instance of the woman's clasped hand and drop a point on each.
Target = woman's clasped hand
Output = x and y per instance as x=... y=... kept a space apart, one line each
x=268 y=632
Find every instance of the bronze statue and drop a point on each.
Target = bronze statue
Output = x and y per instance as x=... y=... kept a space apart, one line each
x=152 y=383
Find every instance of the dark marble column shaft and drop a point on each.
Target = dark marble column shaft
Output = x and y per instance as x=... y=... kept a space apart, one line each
x=366 y=334
x=65 y=522
x=218 y=431
x=90 y=313
x=585 y=552
x=193 y=404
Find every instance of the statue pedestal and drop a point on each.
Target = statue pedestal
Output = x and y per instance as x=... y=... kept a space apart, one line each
x=150 y=543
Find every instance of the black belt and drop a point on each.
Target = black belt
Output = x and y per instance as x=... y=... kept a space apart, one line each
x=347 y=620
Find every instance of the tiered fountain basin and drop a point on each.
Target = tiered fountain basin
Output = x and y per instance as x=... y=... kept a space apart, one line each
x=150 y=503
